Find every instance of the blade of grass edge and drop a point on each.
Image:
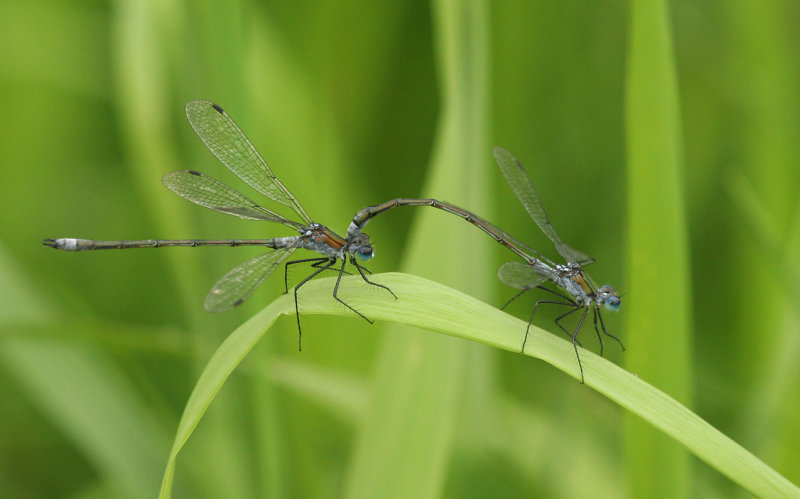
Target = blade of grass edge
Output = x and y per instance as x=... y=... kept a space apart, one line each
x=430 y=305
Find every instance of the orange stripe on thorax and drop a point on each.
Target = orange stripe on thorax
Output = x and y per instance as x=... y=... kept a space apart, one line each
x=583 y=284
x=330 y=239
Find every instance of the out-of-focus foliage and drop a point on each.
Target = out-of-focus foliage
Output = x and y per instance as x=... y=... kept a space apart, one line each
x=345 y=100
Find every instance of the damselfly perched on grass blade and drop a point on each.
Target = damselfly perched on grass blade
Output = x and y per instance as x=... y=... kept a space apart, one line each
x=579 y=291
x=584 y=294
x=230 y=145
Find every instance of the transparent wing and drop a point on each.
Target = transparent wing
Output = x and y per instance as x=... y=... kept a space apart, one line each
x=206 y=191
x=520 y=275
x=230 y=145
x=238 y=284
x=522 y=186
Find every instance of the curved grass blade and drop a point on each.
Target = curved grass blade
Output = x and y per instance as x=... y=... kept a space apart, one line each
x=433 y=306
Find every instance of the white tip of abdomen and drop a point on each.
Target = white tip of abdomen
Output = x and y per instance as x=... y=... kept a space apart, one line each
x=65 y=243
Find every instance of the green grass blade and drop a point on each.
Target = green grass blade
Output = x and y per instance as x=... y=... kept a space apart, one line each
x=426 y=304
x=404 y=447
x=658 y=331
x=763 y=37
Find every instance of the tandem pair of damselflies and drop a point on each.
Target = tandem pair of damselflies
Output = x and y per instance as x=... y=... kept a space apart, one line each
x=230 y=145
x=580 y=292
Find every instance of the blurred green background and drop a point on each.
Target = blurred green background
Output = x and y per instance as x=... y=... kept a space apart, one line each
x=99 y=351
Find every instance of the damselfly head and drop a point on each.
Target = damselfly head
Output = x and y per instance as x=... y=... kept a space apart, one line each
x=361 y=247
x=608 y=296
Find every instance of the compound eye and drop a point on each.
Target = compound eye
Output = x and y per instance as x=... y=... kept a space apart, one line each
x=613 y=303
x=365 y=252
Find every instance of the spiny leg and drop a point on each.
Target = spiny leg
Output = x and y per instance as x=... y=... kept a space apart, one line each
x=530 y=321
x=319 y=270
x=564 y=316
x=556 y=293
x=514 y=298
x=363 y=276
x=536 y=287
x=317 y=262
x=595 y=313
x=569 y=303
x=574 y=343
x=603 y=326
x=336 y=293
x=361 y=269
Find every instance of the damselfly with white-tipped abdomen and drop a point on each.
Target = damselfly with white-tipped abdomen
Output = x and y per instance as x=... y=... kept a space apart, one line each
x=230 y=145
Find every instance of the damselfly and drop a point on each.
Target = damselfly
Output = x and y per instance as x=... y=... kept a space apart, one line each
x=230 y=145
x=581 y=294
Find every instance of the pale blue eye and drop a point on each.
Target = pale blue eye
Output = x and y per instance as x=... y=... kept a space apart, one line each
x=365 y=252
x=612 y=303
